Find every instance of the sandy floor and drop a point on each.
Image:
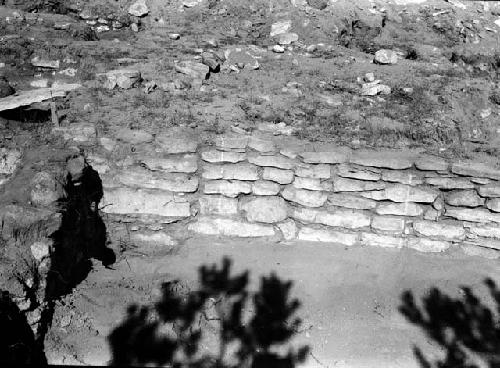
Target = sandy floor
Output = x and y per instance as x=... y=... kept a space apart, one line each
x=349 y=296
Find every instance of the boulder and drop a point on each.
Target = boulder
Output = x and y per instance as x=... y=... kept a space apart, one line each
x=193 y=69
x=265 y=209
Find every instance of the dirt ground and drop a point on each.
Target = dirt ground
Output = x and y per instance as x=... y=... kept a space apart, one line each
x=349 y=296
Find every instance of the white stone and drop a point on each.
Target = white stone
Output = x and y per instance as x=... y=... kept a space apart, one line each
x=280 y=27
x=182 y=164
x=174 y=145
x=9 y=160
x=312 y=184
x=337 y=218
x=40 y=250
x=336 y=156
x=385 y=241
x=408 y=193
x=278 y=175
x=138 y=8
x=192 y=69
x=475 y=250
x=399 y=209
x=149 y=202
x=466 y=198
x=351 y=201
x=403 y=177
x=385 y=56
x=265 y=209
x=230 y=142
x=489 y=190
x=475 y=168
x=227 y=188
x=391 y=224
x=229 y=227
x=138 y=177
x=26 y=98
x=347 y=171
x=265 y=188
x=156 y=239
x=288 y=38
x=304 y=197
x=134 y=136
x=384 y=159
x=486 y=231
x=40 y=62
x=218 y=205
x=321 y=171
x=215 y=156
x=450 y=183
x=427 y=245
x=431 y=163
x=352 y=185
x=439 y=230
x=261 y=145
x=241 y=171
x=326 y=236
x=493 y=204
x=122 y=78
x=288 y=229
x=370 y=89
x=278 y=161
x=472 y=214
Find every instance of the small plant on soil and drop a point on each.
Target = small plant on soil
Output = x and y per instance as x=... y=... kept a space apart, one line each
x=171 y=332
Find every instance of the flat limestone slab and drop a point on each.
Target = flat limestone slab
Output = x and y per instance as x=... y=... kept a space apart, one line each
x=26 y=98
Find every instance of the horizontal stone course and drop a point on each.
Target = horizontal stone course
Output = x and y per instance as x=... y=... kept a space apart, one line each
x=265 y=188
x=439 y=230
x=336 y=156
x=379 y=240
x=265 y=209
x=230 y=227
x=139 y=201
x=428 y=245
x=391 y=224
x=465 y=198
x=338 y=218
x=407 y=193
x=218 y=205
x=384 y=159
x=431 y=163
x=474 y=168
x=403 y=177
x=169 y=144
x=400 y=209
x=138 y=177
x=490 y=190
x=472 y=214
x=450 y=183
x=312 y=184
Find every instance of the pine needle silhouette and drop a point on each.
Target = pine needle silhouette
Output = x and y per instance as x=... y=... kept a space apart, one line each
x=466 y=328
x=169 y=333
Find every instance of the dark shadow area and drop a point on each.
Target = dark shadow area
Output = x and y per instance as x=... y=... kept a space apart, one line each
x=27 y=115
x=252 y=328
x=466 y=328
x=18 y=346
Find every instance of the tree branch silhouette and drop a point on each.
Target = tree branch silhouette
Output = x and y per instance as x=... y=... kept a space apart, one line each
x=466 y=328
x=169 y=332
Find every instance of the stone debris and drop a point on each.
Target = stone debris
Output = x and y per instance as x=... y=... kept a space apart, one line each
x=26 y=98
x=385 y=56
x=121 y=78
x=138 y=8
x=280 y=27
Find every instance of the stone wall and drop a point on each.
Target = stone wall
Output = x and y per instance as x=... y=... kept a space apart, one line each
x=265 y=186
